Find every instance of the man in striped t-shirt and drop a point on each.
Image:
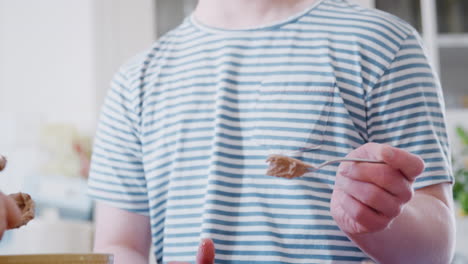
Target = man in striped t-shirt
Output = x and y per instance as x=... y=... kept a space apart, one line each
x=187 y=126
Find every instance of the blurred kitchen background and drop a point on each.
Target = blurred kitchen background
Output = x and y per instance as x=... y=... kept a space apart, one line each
x=57 y=58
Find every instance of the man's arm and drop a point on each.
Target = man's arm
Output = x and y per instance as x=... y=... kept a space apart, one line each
x=374 y=204
x=422 y=233
x=124 y=234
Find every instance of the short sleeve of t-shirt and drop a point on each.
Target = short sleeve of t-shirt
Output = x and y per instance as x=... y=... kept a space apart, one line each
x=117 y=175
x=406 y=110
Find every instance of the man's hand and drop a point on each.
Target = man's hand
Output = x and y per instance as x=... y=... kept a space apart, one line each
x=367 y=197
x=206 y=253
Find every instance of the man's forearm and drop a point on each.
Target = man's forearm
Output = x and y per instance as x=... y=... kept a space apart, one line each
x=124 y=255
x=422 y=233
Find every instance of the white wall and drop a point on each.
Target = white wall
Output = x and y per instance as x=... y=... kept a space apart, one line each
x=56 y=61
x=47 y=64
x=367 y=3
x=46 y=75
x=57 y=58
x=122 y=29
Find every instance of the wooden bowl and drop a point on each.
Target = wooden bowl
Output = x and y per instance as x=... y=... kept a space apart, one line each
x=58 y=259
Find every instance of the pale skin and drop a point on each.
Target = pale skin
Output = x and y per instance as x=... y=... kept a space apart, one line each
x=389 y=221
x=126 y=235
x=10 y=214
x=374 y=204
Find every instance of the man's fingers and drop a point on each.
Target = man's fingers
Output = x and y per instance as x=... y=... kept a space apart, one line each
x=355 y=217
x=206 y=252
x=371 y=195
x=382 y=175
x=409 y=164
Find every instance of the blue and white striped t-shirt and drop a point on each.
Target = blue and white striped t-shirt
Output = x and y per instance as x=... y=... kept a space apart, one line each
x=187 y=126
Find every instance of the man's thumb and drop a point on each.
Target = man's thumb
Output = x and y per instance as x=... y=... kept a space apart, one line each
x=206 y=252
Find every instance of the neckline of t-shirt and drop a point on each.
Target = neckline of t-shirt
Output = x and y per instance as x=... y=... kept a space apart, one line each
x=210 y=29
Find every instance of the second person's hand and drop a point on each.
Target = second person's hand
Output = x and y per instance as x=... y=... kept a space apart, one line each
x=10 y=214
x=205 y=255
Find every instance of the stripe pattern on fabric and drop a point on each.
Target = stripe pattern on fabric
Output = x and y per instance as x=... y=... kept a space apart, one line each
x=187 y=126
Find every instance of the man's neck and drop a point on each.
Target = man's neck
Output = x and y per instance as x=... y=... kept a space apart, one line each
x=241 y=14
